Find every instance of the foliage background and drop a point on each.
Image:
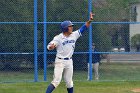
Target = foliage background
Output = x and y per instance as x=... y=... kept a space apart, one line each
x=19 y=37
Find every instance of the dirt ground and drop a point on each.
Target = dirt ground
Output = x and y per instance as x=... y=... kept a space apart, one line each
x=137 y=90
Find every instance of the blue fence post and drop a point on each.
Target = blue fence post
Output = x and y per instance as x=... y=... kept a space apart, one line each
x=35 y=42
x=90 y=42
x=45 y=50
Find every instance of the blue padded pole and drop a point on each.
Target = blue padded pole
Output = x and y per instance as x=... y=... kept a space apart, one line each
x=45 y=50
x=90 y=42
x=35 y=42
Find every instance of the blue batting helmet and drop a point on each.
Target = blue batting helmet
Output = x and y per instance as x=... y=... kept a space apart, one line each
x=65 y=25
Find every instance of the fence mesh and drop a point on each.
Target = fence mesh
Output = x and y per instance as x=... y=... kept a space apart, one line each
x=112 y=32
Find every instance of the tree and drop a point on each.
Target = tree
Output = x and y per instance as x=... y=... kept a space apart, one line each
x=16 y=37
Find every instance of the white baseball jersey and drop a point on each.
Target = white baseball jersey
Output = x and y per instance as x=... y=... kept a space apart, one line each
x=65 y=45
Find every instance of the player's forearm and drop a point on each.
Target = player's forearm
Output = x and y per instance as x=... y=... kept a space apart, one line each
x=88 y=23
x=85 y=26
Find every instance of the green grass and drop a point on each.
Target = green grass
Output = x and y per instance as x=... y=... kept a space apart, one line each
x=79 y=87
x=114 y=78
x=107 y=71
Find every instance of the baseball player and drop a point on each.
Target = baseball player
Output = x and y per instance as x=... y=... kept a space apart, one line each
x=65 y=45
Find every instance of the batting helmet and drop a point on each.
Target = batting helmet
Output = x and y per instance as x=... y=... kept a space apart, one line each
x=65 y=25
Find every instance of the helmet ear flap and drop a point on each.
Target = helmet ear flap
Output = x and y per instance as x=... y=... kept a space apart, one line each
x=65 y=29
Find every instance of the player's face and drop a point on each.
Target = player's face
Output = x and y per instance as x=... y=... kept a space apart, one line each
x=70 y=29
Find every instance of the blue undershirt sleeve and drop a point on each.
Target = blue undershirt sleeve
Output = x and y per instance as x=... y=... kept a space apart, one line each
x=83 y=28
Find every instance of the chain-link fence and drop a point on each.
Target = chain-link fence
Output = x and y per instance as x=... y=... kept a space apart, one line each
x=27 y=27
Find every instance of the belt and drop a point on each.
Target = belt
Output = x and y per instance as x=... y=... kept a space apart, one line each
x=65 y=58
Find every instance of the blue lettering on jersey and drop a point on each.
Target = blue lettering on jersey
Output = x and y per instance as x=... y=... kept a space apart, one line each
x=68 y=41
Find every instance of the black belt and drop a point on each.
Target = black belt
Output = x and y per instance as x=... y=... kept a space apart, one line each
x=65 y=58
